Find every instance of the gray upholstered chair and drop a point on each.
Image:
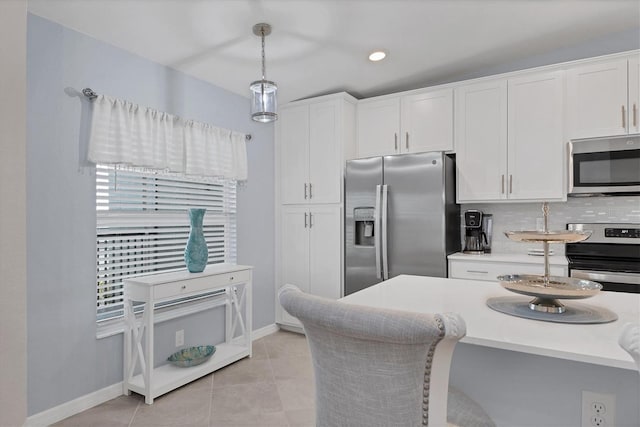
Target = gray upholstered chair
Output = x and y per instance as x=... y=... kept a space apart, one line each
x=376 y=367
x=630 y=341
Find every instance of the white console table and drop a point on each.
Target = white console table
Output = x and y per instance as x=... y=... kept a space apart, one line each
x=230 y=286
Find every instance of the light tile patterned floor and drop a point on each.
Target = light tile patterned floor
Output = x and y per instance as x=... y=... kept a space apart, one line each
x=273 y=388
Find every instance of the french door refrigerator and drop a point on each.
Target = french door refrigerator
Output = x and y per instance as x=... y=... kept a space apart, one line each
x=400 y=217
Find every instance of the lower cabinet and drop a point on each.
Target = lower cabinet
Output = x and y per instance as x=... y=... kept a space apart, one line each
x=310 y=252
x=483 y=269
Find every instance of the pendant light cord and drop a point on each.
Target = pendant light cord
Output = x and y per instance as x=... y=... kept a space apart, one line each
x=263 y=60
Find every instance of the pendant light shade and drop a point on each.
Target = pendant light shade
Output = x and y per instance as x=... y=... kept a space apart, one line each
x=263 y=92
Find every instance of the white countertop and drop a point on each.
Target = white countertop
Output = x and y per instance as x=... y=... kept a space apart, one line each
x=597 y=344
x=519 y=258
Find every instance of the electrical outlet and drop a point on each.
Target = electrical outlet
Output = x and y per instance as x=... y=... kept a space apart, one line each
x=180 y=338
x=598 y=409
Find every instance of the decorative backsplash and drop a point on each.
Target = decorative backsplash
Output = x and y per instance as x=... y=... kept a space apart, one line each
x=525 y=216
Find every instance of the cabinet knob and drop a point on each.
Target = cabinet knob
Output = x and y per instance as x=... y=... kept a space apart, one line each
x=183 y=287
x=395 y=141
x=406 y=140
x=231 y=278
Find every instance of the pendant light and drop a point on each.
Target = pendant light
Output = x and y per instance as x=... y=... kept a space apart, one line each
x=263 y=92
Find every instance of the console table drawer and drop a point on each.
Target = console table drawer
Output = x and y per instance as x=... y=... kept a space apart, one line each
x=200 y=284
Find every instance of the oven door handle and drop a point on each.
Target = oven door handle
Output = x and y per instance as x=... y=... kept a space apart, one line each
x=626 y=278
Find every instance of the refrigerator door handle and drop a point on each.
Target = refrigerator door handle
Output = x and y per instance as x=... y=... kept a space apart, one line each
x=385 y=258
x=376 y=231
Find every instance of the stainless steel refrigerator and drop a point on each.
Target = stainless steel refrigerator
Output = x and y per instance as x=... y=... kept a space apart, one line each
x=400 y=217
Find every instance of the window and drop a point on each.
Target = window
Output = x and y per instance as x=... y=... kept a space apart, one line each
x=143 y=225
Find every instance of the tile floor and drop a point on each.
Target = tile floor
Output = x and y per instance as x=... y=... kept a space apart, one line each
x=273 y=388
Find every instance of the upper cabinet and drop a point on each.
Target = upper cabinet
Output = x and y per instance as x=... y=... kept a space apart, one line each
x=509 y=139
x=378 y=127
x=603 y=99
x=481 y=141
x=406 y=124
x=634 y=94
x=314 y=139
x=535 y=147
x=427 y=121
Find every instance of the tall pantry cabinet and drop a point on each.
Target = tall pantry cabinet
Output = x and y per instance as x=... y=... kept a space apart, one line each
x=314 y=138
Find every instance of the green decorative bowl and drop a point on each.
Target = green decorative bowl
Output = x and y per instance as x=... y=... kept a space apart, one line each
x=192 y=356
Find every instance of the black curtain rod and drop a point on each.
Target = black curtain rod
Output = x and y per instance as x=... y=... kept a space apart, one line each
x=89 y=93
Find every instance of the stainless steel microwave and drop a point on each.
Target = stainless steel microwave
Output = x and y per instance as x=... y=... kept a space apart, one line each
x=604 y=166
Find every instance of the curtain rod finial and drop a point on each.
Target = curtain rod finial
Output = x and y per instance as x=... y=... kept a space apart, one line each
x=89 y=93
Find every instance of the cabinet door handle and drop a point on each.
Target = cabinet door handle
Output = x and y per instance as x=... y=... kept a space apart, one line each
x=395 y=141
x=310 y=220
x=406 y=140
x=305 y=220
x=310 y=193
x=477 y=271
x=624 y=121
x=502 y=181
x=305 y=191
x=510 y=183
x=635 y=115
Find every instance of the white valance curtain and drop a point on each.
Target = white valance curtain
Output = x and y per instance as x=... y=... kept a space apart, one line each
x=127 y=134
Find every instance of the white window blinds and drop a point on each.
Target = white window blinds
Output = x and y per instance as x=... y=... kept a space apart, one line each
x=143 y=226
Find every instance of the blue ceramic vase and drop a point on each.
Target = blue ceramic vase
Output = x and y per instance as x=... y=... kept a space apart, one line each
x=196 y=252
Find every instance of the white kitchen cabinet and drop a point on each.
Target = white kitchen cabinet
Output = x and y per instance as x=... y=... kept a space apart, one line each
x=427 y=121
x=310 y=252
x=602 y=99
x=481 y=141
x=294 y=153
x=406 y=124
x=483 y=268
x=535 y=147
x=378 y=127
x=634 y=94
x=509 y=139
x=314 y=139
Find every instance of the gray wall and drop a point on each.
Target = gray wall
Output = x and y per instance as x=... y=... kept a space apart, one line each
x=13 y=208
x=64 y=358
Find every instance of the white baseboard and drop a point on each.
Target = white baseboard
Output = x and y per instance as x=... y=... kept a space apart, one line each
x=82 y=403
x=263 y=332
x=75 y=406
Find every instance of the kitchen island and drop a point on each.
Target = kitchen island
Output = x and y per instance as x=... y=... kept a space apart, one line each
x=524 y=372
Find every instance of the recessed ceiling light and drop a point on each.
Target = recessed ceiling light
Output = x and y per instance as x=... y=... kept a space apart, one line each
x=378 y=55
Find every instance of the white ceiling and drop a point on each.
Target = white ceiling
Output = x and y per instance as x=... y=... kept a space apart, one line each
x=321 y=46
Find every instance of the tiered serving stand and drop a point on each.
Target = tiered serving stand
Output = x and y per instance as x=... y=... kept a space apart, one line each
x=546 y=289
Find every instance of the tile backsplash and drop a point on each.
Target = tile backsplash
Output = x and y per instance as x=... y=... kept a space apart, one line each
x=523 y=216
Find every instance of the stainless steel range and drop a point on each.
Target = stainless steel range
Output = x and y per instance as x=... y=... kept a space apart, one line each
x=611 y=256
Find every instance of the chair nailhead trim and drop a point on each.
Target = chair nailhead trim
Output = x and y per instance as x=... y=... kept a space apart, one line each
x=427 y=373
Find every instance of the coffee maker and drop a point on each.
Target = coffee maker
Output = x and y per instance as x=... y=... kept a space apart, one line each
x=478 y=229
